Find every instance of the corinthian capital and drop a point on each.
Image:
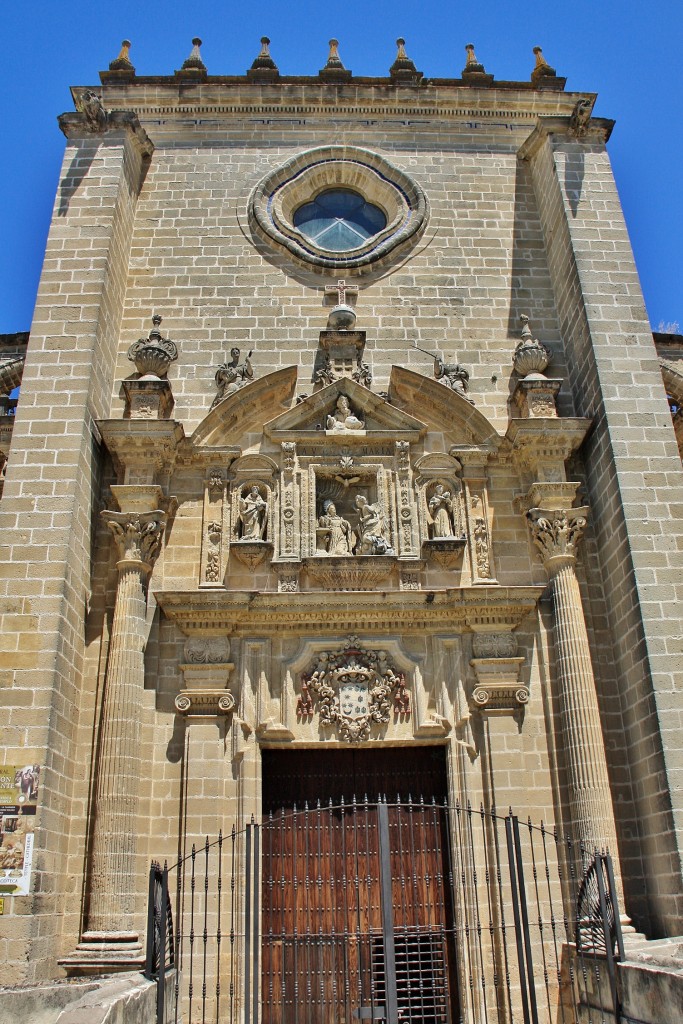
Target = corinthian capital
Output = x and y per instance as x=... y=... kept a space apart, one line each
x=137 y=534
x=556 y=534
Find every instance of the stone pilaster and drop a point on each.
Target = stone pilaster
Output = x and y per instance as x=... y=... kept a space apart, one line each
x=111 y=941
x=556 y=533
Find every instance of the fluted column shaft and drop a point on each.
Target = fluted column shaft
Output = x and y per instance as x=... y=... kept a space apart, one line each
x=556 y=534
x=118 y=769
x=589 y=788
x=112 y=889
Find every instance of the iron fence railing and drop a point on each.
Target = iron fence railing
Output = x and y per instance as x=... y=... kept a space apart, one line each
x=404 y=912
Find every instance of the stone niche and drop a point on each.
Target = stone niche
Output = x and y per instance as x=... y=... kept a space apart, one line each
x=252 y=510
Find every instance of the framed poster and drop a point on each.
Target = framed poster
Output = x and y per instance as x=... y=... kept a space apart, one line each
x=18 y=802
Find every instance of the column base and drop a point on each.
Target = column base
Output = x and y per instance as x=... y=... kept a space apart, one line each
x=105 y=953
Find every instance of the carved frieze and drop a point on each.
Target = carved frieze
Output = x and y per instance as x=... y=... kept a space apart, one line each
x=355 y=689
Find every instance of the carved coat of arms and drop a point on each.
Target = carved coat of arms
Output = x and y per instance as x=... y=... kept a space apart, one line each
x=354 y=689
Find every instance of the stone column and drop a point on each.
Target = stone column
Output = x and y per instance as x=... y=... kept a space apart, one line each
x=110 y=941
x=556 y=533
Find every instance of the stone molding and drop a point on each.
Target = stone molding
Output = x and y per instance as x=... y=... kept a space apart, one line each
x=274 y=200
x=500 y=609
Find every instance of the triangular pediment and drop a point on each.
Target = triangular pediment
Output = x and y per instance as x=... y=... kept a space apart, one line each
x=322 y=414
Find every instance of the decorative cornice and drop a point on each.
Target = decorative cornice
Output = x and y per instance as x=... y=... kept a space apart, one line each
x=439 y=405
x=598 y=131
x=152 y=443
x=246 y=408
x=499 y=609
x=76 y=125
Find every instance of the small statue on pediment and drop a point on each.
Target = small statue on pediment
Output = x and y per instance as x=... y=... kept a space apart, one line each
x=454 y=375
x=343 y=418
x=232 y=376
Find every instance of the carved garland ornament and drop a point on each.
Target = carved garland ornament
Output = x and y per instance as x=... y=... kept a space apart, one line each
x=355 y=689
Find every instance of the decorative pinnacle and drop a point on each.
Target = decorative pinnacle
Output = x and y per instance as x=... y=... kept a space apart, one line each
x=403 y=67
x=264 y=61
x=334 y=60
x=122 y=62
x=472 y=65
x=194 y=62
x=541 y=68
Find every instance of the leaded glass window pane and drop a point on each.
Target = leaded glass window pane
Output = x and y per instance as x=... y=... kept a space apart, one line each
x=339 y=219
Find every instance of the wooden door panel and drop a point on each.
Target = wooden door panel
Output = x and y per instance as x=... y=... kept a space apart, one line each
x=323 y=943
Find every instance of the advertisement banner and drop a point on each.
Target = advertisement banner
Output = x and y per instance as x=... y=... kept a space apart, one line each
x=18 y=800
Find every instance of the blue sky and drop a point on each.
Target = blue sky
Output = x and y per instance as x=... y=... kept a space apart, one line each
x=629 y=52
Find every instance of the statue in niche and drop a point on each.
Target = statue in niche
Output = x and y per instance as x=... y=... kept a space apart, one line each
x=343 y=418
x=253 y=509
x=232 y=376
x=372 y=527
x=441 y=513
x=334 y=535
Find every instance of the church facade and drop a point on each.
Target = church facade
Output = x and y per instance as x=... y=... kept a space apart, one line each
x=343 y=469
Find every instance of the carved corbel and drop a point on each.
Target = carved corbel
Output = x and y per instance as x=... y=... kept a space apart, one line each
x=206 y=673
x=497 y=668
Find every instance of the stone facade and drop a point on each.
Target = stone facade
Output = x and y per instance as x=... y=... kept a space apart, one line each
x=186 y=548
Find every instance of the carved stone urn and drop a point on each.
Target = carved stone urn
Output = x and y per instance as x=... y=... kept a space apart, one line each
x=153 y=355
x=530 y=355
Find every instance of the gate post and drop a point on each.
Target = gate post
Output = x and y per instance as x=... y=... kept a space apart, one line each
x=251 y=925
x=385 y=877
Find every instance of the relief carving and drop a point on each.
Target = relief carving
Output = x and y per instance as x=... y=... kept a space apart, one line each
x=355 y=689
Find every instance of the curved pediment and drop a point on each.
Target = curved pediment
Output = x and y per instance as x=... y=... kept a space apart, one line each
x=441 y=408
x=247 y=409
x=315 y=414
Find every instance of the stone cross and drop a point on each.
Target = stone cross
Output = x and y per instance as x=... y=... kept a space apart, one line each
x=341 y=288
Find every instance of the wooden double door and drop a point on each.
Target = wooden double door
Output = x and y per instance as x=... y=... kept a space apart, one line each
x=357 y=903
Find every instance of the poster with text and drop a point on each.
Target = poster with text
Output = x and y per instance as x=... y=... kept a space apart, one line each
x=18 y=801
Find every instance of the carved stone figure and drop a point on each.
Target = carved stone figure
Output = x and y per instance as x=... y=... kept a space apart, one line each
x=95 y=114
x=454 y=376
x=343 y=418
x=253 y=509
x=232 y=376
x=441 y=513
x=334 y=534
x=372 y=527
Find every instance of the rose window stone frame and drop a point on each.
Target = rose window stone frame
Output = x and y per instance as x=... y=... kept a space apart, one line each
x=277 y=197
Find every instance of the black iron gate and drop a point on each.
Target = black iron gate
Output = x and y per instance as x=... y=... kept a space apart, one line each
x=401 y=912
